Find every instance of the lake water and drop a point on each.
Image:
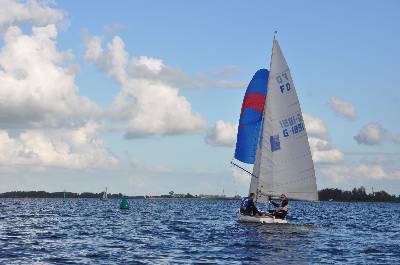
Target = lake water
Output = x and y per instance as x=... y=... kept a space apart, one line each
x=87 y=231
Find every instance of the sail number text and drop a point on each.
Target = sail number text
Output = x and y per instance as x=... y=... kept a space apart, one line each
x=292 y=125
x=284 y=82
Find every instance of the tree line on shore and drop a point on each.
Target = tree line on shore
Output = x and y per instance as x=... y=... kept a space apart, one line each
x=334 y=194
x=357 y=194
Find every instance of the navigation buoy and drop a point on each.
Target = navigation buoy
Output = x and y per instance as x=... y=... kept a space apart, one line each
x=124 y=204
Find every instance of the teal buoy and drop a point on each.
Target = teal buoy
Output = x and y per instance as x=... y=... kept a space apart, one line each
x=124 y=204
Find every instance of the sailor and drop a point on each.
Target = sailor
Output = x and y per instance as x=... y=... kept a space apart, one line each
x=247 y=206
x=283 y=207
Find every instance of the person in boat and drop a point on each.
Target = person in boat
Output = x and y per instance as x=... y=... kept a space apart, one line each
x=248 y=207
x=282 y=208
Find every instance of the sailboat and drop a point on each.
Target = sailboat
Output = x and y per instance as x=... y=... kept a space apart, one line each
x=272 y=136
x=104 y=194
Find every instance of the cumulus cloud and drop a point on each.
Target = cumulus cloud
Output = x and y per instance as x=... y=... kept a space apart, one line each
x=43 y=121
x=323 y=152
x=341 y=173
x=145 y=105
x=320 y=145
x=315 y=127
x=38 y=13
x=37 y=85
x=79 y=148
x=222 y=134
x=370 y=134
x=343 y=108
x=143 y=67
x=374 y=134
x=155 y=70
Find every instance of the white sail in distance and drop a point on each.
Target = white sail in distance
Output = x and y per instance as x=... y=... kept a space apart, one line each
x=105 y=194
x=284 y=162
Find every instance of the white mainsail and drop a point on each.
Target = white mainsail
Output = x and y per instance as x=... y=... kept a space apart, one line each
x=283 y=163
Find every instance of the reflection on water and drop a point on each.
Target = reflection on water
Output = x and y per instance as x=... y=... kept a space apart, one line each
x=79 y=231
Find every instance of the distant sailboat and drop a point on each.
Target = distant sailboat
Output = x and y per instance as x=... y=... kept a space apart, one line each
x=104 y=194
x=272 y=136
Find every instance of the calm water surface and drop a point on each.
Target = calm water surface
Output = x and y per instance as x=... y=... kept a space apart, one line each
x=80 y=231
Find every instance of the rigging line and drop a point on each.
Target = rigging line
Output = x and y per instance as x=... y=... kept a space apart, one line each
x=243 y=169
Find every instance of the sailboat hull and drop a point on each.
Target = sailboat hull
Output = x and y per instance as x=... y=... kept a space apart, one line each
x=260 y=219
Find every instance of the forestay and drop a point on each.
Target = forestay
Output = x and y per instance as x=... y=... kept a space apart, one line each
x=283 y=162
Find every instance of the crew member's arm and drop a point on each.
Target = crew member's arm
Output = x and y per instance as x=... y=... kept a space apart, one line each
x=274 y=203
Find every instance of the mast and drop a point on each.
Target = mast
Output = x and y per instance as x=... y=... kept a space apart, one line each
x=256 y=168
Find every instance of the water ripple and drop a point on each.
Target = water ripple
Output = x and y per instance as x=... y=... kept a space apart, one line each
x=79 y=231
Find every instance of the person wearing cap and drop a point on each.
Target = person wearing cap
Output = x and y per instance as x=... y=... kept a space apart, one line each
x=282 y=208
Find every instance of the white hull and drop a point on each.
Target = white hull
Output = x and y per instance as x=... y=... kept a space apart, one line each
x=260 y=219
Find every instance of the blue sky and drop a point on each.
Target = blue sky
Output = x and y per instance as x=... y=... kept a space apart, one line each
x=347 y=50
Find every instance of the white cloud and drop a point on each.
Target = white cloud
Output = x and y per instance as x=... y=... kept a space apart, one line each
x=374 y=134
x=38 y=13
x=145 y=105
x=315 y=127
x=320 y=145
x=369 y=171
x=336 y=173
x=222 y=134
x=322 y=151
x=227 y=71
x=370 y=134
x=79 y=148
x=43 y=121
x=342 y=173
x=94 y=50
x=37 y=86
x=343 y=108
x=241 y=177
x=143 y=68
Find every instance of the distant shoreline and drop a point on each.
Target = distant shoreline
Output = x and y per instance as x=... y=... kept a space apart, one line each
x=127 y=197
x=90 y=195
x=162 y=199
x=329 y=194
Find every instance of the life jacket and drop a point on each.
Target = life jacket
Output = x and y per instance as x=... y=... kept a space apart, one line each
x=284 y=206
x=245 y=203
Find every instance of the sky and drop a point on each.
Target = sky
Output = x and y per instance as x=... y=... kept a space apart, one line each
x=144 y=97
